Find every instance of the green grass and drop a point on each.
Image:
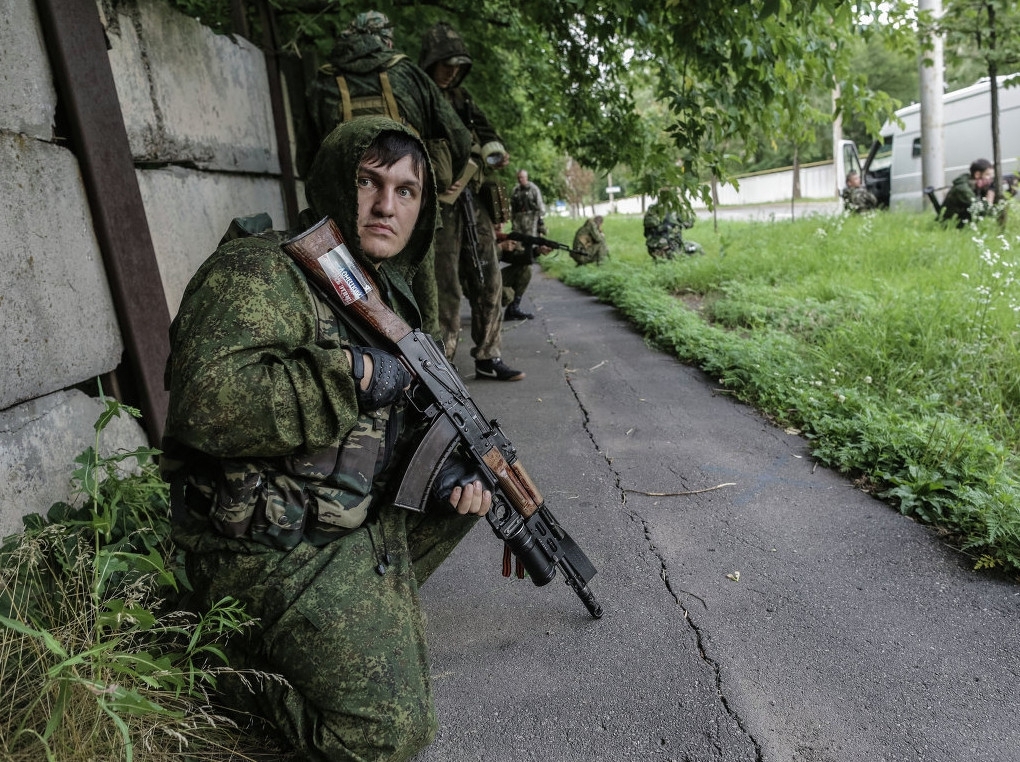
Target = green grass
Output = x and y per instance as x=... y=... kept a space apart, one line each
x=889 y=342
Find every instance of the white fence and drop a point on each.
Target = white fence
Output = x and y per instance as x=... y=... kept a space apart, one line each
x=817 y=181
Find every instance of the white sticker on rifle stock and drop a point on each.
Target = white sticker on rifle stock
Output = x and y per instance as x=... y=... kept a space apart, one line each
x=345 y=274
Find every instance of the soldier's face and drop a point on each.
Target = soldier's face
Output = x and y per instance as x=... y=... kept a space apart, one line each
x=389 y=200
x=444 y=74
x=522 y=177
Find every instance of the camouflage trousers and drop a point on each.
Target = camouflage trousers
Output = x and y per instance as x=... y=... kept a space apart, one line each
x=594 y=254
x=664 y=252
x=516 y=278
x=456 y=275
x=349 y=641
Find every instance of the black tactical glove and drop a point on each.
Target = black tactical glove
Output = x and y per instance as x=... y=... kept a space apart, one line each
x=389 y=377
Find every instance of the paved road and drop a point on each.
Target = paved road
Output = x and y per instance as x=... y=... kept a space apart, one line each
x=852 y=635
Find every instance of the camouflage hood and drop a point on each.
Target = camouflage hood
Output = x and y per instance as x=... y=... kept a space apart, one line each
x=442 y=42
x=360 y=53
x=332 y=189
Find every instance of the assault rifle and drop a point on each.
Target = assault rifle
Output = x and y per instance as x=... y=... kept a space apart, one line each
x=519 y=515
x=471 y=230
x=531 y=242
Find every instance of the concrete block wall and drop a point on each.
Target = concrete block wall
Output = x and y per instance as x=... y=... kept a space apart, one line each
x=199 y=122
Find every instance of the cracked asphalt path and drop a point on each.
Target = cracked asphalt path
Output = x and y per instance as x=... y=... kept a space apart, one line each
x=770 y=612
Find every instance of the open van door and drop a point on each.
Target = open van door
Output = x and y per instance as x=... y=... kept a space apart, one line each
x=847 y=161
x=875 y=178
x=876 y=171
x=871 y=156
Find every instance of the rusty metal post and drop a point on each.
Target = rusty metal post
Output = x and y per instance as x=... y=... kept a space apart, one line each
x=88 y=97
x=270 y=48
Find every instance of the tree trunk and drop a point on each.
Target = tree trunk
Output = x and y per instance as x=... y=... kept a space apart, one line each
x=993 y=85
x=796 y=182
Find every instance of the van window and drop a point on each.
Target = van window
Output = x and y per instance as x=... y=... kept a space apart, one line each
x=915 y=148
x=851 y=161
x=883 y=158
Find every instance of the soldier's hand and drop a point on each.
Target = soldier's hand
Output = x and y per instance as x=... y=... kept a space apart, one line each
x=472 y=499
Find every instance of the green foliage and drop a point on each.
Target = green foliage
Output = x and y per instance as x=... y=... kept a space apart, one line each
x=569 y=77
x=988 y=30
x=95 y=662
x=887 y=340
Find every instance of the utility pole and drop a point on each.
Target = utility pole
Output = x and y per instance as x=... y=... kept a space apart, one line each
x=933 y=151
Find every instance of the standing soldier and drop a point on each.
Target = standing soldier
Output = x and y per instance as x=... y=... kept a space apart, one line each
x=445 y=58
x=528 y=210
x=366 y=76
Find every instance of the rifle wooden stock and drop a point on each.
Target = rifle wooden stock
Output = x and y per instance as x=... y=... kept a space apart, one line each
x=322 y=254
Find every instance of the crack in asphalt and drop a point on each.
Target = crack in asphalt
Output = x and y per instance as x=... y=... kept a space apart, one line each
x=664 y=571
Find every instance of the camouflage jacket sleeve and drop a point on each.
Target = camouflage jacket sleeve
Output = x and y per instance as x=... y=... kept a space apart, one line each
x=253 y=373
x=440 y=120
x=589 y=235
x=652 y=221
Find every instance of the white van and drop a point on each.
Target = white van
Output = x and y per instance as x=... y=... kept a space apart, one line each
x=894 y=171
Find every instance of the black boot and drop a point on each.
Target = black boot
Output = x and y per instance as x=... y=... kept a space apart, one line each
x=514 y=311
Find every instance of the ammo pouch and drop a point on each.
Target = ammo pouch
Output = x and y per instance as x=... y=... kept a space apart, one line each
x=442 y=163
x=495 y=200
x=279 y=502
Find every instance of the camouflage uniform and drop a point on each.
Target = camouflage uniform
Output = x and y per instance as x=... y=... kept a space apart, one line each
x=455 y=269
x=527 y=209
x=278 y=480
x=963 y=202
x=664 y=233
x=590 y=238
x=859 y=199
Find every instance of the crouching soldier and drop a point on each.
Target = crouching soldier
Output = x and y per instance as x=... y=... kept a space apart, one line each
x=283 y=431
x=590 y=239
x=664 y=234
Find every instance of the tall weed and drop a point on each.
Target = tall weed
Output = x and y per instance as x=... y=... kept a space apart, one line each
x=96 y=663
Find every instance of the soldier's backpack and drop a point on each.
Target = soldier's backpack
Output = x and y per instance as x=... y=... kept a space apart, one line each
x=385 y=104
